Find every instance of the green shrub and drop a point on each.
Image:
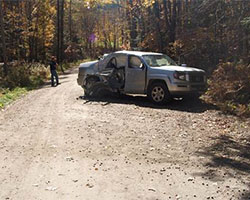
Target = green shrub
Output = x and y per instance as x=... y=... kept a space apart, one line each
x=24 y=75
x=229 y=88
x=7 y=96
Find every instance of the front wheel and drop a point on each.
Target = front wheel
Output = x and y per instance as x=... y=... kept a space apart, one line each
x=158 y=93
x=88 y=88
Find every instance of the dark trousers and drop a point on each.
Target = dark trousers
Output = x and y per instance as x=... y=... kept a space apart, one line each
x=54 y=75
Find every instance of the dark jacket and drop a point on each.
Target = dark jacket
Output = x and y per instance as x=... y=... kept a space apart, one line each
x=52 y=65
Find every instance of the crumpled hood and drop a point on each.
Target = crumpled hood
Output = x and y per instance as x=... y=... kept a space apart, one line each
x=87 y=64
x=176 y=68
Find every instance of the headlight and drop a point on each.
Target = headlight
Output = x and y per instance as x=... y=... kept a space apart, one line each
x=180 y=76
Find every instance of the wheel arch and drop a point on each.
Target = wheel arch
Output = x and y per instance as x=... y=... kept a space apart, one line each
x=89 y=77
x=167 y=96
x=92 y=76
x=153 y=81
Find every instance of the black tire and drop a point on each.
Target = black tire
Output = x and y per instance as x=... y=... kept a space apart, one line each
x=100 y=89
x=88 y=89
x=158 y=93
x=86 y=93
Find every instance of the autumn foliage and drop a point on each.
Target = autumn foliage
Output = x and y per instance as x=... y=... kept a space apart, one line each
x=199 y=33
x=229 y=88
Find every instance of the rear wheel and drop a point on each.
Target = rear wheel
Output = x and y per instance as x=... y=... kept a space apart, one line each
x=158 y=93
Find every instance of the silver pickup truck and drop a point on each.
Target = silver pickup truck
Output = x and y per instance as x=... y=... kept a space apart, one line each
x=134 y=72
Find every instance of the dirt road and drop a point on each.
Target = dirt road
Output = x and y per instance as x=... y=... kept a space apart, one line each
x=56 y=145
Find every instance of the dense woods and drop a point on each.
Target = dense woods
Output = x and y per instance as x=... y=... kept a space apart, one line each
x=210 y=34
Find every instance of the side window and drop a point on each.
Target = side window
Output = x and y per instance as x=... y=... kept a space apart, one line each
x=121 y=60
x=134 y=62
x=112 y=63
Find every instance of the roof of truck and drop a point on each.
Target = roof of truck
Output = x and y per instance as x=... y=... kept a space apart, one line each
x=138 y=53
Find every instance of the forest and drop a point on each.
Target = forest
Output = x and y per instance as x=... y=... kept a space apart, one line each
x=210 y=34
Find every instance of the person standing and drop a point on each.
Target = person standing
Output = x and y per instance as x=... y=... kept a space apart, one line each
x=53 y=72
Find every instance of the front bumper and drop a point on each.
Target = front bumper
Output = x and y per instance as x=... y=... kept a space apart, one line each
x=80 y=80
x=181 y=89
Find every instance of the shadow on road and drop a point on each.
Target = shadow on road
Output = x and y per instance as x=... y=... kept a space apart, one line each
x=231 y=155
x=226 y=157
x=62 y=79
x=227 y=152
x=187 y=105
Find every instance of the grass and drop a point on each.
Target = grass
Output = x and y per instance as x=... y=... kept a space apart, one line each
x=38 y=75
x=7 y=96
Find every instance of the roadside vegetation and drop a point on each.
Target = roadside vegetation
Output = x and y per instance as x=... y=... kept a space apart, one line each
x=23 y=77
x=229 y=88
x=210 y=34
x=7 y=96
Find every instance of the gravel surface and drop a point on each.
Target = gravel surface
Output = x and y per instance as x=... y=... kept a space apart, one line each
x=55 y=144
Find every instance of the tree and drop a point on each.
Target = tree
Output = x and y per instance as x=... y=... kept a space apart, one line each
x=202 y=32
x=5 y=66
x=60 y=32
x=70 y=20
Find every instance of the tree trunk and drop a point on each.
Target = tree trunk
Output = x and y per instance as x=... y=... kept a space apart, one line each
x=132 y=26
x=58 y=32
x=30 y=38
x=179 y=15
x=114 y=45
x=70 y=20
x=60 y=44
x=172 y=33
x=62 y=35
x=5 y=66
x=167 y=21
x=186 y=14
x=158 y=26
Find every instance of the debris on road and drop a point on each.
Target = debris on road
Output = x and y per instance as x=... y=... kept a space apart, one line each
x=51 y=188
x=152 y=189
x=35 y=185
x=190 y=179
x=69 y=159
x=89 y=185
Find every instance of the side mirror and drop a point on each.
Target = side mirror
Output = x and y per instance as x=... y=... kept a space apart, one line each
x=184 y=65
x=142 y=66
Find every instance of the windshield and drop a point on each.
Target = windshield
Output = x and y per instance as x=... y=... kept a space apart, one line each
x=158 y=60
